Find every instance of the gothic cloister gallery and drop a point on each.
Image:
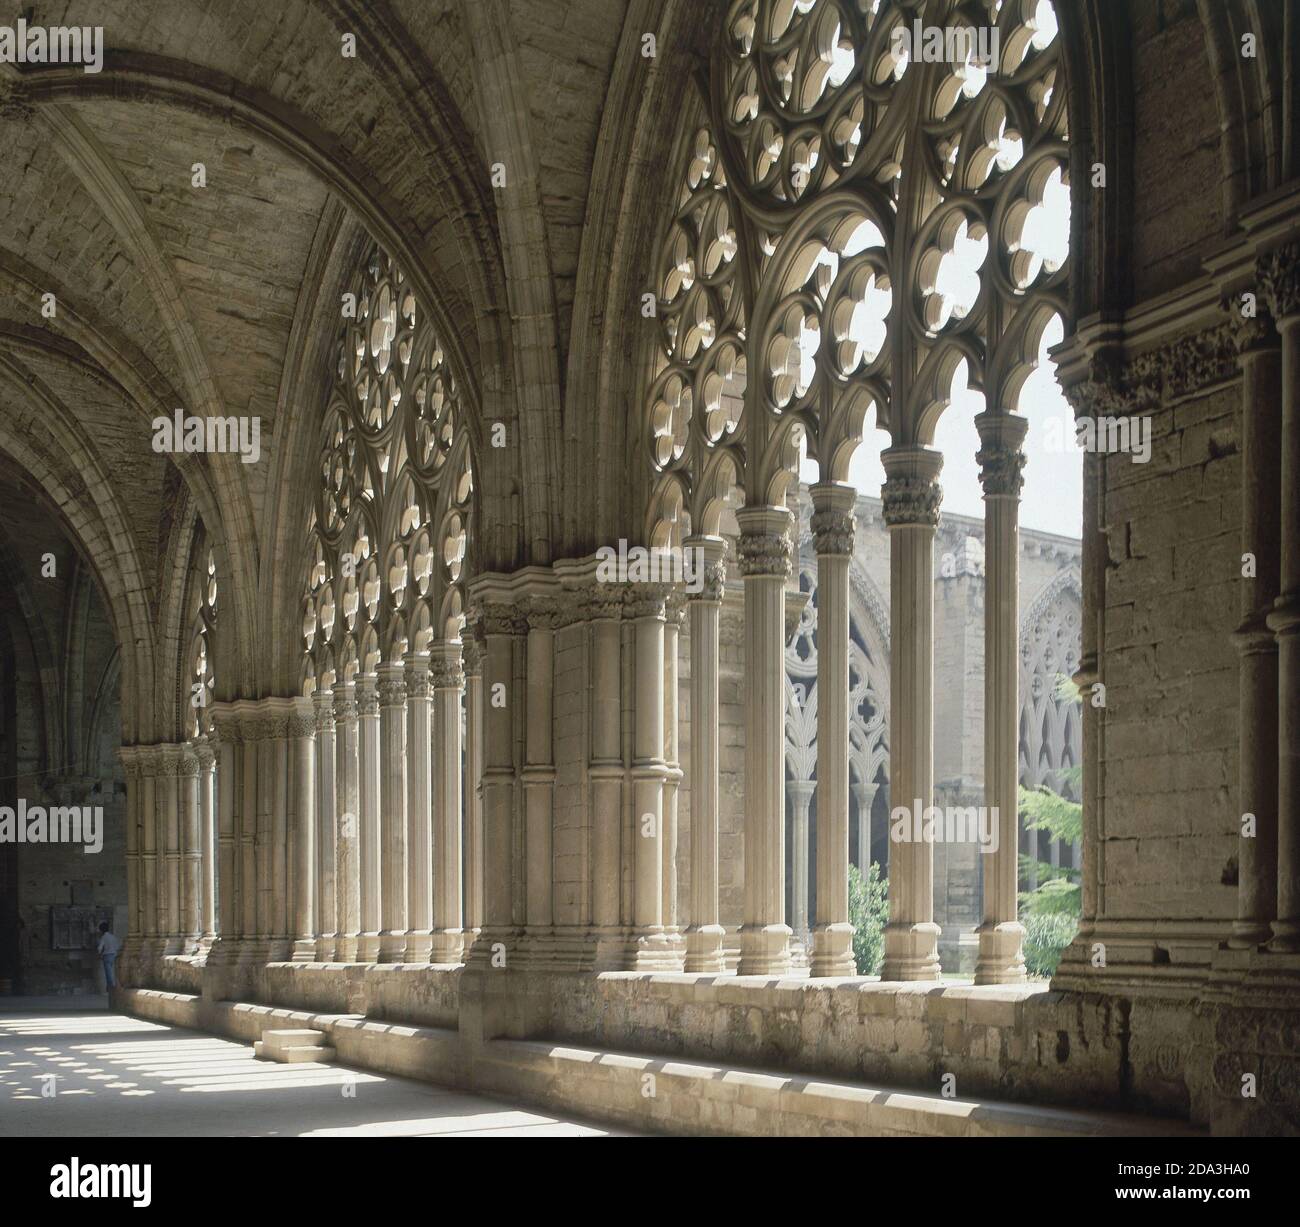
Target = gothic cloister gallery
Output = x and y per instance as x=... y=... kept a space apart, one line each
x=691 y=567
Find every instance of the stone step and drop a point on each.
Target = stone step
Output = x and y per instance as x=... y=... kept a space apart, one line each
x=293 y=1045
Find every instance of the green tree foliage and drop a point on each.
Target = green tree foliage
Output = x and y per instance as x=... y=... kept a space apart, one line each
x=868 y=913
x=1050 y=912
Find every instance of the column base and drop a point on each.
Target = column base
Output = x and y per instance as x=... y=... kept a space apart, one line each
x=656 y=952
x=911 y=952
x=419 y=947
x=1249 y=934
x=392 y=947
x=1001 y=957
x=832 y=951
x=368 y=948
x=704 y=949
x=304 y=950
x=764 y=950
x=326 y=946
x=1285 y=939
x=345 y=948
x=448 y=946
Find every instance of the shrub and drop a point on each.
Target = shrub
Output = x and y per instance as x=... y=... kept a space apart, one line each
x=868 y=912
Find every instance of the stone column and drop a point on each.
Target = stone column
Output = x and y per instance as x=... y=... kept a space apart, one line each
x=279 y=831
x=645 y=609
x=302 y=757
x=419 y=808
x=1001 y=958
x=704 y=936
x=605 y=774
x=1281 y=274
x=539 y=772
x=190 y=866
x=207 y=840
x=501 y=626
x=832 y=526
x=368 y=831
x=1261 y=504
x=326 y=827
x=448 y=901
x=347 y=808
x=801 y=795
x=473 y=789
x=674 y=612
x=864 y=794
x=230 y=929
x=392 y=811
x=911 y=497
x=765 y=552
x=250 y=735
x=169 y=835
x=151 y=915
x=130 y=757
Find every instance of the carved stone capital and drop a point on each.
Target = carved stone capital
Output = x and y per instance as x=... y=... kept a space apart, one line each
x=472 y=655
x=501 y=618
x=908 y=499
x=418 y=684
x=645 y=600
x=345 y=705
x=833 y=532
x=302 y=724
x=187 y=762
x=446 y=672
x=1278 y=272
x=392 y=687
x=206 y=753
x=367 y=695
x=1249 y=333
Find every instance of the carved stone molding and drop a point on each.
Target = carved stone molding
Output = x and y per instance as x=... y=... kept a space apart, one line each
x=501 y=618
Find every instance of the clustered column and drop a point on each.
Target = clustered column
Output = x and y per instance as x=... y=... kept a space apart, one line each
x=448 y=918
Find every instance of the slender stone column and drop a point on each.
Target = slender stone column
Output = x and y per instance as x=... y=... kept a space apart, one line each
x=392 y=808
x=326 y=827
x=151 y=914
x=190 y=867
x=368 y=831
x=765 y=551
x=801 y=795
x=1261 y=504
x=130 y=756
x=1281 y=274
x=250 y=737
x=645 y=609
x=274 y=821
x=501 y=627
x=911 y=497
x=473 y=789
x=704 y=936
x=169 y=833
x=674 y=612
x=539 y=772
x=864 y=794
x=207 y=840
x=419 y=808
x=605 y=775
x=448 y=902
x=302 y=757
x=226 y=725
x=1001 y=958
x=832 y=526
x=347 y=807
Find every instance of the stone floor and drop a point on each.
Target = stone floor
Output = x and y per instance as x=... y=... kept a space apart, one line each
x=117 y=1076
